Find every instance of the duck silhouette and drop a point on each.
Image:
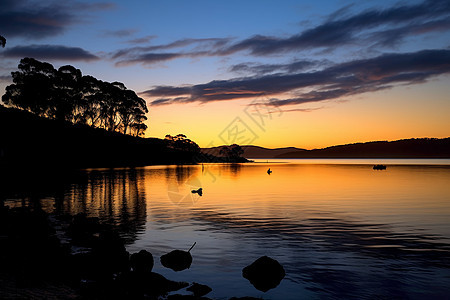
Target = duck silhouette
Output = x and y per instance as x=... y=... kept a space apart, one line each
x=269 y=171
x=199 y=191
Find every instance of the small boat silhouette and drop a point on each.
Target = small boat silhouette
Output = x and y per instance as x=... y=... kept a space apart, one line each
x=199 y=191
x=269 y=171
x=379 y=167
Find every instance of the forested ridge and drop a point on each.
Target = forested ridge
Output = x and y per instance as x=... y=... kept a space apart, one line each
x=65 y=94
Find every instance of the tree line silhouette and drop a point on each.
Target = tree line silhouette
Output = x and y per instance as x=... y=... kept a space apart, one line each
x=67 y=95
x=182 y=143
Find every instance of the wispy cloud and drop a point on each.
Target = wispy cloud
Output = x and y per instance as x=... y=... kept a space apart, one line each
x=306 y=110
x=334 y=82
x=142 y=40
x=338 y=32
x=53 y=52
x=120 y=33
x=38 y=20
x=262 y=69
x=153 y=54
x=378 y=28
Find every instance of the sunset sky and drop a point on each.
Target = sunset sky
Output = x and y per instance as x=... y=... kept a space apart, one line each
x=308 y=74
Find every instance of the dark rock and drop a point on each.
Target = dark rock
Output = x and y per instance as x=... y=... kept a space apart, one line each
x=108 y=256
x=82 y=230
x=186 y=297
x=152 y=284
x=245 y=298
x=177 y=260
x=199 y=289
x=142 y=261
x=264 y=273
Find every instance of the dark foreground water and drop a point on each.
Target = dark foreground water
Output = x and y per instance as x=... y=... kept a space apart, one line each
x=340 y=229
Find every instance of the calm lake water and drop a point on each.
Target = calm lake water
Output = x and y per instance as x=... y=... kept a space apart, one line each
x=340 y=229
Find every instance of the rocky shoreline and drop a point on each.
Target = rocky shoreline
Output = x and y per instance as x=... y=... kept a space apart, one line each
x=44 y=256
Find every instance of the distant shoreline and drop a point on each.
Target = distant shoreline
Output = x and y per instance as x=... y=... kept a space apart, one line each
x=399 y=149
x=358 y=161
x=30 y=140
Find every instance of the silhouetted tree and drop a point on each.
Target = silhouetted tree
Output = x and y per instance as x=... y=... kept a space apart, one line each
x=32 y=89
x=2 y=41
x=232 y=152
x=66 y=95
x=181 y=142
x=92 y=102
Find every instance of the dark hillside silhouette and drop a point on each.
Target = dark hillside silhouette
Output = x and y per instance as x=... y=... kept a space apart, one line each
x=226 y=154
x=30 y=140
x=408 y=148
x=260 y=152
x=182 y=143
x=26 y=139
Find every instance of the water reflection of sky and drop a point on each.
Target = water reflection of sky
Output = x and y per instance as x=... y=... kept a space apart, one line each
x=340 y=230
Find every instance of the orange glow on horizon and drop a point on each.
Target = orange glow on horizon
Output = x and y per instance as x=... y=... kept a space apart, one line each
x=397 y=113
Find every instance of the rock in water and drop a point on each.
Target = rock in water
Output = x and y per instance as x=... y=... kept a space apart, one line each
x=142 y=261
x=199 y=290
x=264 y=273
x=177 y=260
x=150 y=284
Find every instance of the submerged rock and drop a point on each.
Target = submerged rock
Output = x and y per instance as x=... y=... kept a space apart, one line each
x=142 y=261
x=177 y=260
x=199 y=289
x=264 y=273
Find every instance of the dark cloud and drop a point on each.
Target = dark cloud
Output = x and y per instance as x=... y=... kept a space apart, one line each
x=164 y=101
x=55 y=52
x=297 y=110
x=167 y=91
x=394 y=36
x=142 y=40
x=153 y=58
x=211 y=43
x=150 y=58
x=373 y=27
x=341 y=80
x=37 y=20
x=338 y=32
x=152 y=54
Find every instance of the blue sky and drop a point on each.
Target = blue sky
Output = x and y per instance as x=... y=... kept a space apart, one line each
x=301 y=56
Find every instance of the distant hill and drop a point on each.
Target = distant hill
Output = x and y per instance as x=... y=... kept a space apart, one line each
x=255 y=151
x=408 y=148
x=260 y=152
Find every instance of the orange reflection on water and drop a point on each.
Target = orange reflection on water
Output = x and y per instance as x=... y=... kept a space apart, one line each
x=398 y=195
